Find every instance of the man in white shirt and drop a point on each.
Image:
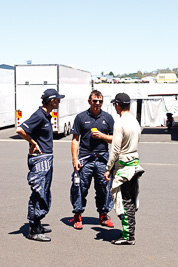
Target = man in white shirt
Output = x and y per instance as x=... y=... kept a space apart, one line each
x=126 y=159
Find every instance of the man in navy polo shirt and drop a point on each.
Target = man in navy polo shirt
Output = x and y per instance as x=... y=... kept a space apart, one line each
x=94 y=128
x=37 y=130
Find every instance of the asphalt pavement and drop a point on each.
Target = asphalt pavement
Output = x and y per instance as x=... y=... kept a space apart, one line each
x=157 y=218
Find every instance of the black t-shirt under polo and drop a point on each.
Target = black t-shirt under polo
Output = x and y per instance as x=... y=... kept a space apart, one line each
x=39 y=127
x=83 y=123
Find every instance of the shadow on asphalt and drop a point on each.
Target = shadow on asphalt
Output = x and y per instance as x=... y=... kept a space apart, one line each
x=163 y=131
x=15 y=137
x=7 y=127
x=85 y=220
x=24 y=229
x=106 y=234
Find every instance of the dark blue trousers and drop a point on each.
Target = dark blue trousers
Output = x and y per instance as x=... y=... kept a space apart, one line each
x=93 y=167
x=39 y=178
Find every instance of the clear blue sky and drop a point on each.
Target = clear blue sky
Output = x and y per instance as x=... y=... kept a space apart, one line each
x=96 y=35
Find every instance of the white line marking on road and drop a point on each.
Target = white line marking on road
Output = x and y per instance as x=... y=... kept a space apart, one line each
x=159 y=164
x=11 y=140
x=171 y=143
x=20 y=140
x=62 y=141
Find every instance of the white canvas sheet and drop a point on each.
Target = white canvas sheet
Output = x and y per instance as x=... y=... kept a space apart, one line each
x=152 y=113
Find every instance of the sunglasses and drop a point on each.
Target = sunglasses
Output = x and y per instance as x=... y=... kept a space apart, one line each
x=96 y=100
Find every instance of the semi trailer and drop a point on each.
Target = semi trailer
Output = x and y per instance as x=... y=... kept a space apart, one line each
x=32 y=80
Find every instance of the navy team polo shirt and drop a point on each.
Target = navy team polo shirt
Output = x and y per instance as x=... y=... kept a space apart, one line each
x=39 y=127
x=83 y=123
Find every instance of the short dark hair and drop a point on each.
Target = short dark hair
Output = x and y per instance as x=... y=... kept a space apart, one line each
x=126 y=107
x=95 y=92
x=46 y=101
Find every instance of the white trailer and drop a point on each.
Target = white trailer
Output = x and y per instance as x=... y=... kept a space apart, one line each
x=6 y=97
x=166 y=78
x=32 y=80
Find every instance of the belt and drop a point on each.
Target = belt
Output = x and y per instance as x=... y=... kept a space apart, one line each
x=96 y=155
x=40 y=155
x=134 y=162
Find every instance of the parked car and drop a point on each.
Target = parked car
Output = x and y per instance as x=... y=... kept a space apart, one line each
x=129 y=80
x=148 y=79
x=109 y=80
x=116 y=80
x=96 y=79
x=103 y=79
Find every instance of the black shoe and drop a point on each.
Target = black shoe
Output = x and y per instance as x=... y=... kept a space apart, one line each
x=122 y=241
x=35 y=233
x=39 y=237
x=45 y=230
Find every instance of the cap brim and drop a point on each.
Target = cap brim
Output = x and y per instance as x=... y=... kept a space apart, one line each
x=60 y=96
x=113 y=101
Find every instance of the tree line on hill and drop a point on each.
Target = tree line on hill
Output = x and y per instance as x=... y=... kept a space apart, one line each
x=140 y=74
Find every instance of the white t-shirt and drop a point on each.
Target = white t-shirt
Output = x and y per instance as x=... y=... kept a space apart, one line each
x=125 y=140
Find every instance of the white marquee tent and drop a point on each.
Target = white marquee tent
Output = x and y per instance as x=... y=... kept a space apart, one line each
x=149 y=102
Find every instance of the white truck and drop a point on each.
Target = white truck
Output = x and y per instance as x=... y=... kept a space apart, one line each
x=32 y=80
x=6 y=97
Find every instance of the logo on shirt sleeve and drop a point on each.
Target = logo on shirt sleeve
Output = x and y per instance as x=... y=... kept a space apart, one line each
x=25 y=125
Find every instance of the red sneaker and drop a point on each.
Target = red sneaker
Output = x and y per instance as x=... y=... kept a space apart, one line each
x=105 y=220
x=78 y=221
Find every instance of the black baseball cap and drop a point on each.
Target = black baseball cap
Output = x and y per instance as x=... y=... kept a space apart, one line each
x=122 y=99
x=51 y=94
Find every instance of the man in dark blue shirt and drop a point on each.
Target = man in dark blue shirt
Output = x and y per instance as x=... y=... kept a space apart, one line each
x=94 y=128
x=37 y=130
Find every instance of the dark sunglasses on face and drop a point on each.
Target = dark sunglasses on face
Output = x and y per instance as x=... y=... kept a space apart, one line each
x=96 y=100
